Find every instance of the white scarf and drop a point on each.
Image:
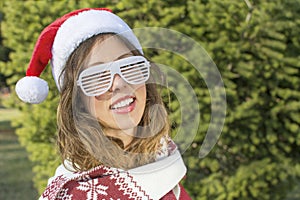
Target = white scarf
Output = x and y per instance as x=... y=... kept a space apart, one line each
x=151 y=181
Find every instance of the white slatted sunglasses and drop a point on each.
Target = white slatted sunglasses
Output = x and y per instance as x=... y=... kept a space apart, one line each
x=97 y=80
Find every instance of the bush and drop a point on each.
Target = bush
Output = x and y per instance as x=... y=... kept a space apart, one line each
x=255 y=45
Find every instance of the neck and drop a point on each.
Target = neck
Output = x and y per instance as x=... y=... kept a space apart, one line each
x=126 y=136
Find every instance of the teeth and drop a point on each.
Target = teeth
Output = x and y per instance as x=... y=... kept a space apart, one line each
x=123 y=103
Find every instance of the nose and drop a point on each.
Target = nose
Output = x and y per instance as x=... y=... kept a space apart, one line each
x=118 y=83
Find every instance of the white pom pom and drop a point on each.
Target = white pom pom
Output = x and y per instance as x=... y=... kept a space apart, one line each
x=32 y=89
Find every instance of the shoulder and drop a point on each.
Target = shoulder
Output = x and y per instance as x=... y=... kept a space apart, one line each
x=98 y=183
x=64 y=170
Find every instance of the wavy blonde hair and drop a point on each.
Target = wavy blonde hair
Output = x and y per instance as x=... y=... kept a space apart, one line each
x=80 y=137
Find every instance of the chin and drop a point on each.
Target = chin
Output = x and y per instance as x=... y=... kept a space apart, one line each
x=125 y=125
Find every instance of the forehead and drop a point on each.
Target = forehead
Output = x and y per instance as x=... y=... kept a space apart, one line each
x=107 y=50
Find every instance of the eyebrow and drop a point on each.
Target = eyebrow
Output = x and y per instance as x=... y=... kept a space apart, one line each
x=118 y=58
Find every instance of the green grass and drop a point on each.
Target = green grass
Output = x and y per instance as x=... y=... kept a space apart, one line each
x=15 y=168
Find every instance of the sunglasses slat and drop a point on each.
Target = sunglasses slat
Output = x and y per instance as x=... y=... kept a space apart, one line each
x=132 y=65
x=90 y=89
x=84 y=84
x=137 y=81
x=96 y=75
x=91 y=81
x=140 y=78
x=135 y=71
x=136 y=74
x=135 y=68
x=96 y=92
x=129 y=78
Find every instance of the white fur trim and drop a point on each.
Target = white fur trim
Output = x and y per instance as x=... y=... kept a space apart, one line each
x=32 y=89
x=176 y=191
x=78 y=28
x=168 y=171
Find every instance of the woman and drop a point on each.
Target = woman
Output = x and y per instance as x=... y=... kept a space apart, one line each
x=112 y=125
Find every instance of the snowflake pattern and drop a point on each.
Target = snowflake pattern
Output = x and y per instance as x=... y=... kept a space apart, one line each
x=63 y=195
x=54 y=187
x=92 y=188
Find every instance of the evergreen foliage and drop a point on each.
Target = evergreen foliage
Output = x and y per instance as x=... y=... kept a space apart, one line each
x=255 y=45
x=4 y=51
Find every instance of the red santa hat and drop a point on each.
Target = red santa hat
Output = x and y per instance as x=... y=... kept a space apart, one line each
x=57 y=42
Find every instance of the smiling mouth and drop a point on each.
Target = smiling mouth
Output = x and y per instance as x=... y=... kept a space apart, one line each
x=123 y=103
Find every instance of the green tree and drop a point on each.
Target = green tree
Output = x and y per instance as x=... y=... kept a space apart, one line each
x=37 y=126
x=4 y=51
x=255 y=45
x=256 y=48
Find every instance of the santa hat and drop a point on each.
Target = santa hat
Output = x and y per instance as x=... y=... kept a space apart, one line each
x=57 y=42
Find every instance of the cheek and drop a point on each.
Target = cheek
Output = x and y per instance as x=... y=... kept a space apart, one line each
x=141 y=104
x=101 y=104
x=103 y=97
x=101 y=112
x=141 y=93
x=98 y=106
x=141 y=90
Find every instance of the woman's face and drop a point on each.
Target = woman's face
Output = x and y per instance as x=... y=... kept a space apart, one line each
x=122 y=106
